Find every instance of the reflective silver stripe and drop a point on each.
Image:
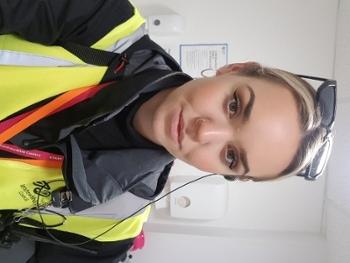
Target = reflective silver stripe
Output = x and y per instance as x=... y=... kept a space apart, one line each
x=18 y=58
x=127 y=41
x=120 y=207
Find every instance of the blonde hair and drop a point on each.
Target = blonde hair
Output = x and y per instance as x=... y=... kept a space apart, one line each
x=309 y=112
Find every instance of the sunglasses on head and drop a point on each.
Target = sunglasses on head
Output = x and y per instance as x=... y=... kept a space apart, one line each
x=326 y=100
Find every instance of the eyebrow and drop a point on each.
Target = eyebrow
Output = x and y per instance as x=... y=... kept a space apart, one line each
x=243 y=158
x=246 y=115
x=248 y=108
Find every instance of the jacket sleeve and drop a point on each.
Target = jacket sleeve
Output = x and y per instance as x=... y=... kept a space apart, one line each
x=52 y=21
x=96 y=177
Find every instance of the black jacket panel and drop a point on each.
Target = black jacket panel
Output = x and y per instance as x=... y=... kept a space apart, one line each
x=52 y=21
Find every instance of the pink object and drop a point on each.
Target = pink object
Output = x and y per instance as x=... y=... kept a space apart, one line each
x=139 y=242
x=4 y=125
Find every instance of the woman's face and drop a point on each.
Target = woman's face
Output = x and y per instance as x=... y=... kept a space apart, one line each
x=229 y=124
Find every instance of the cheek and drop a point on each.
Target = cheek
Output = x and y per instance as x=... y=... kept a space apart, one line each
x=207 y=160
x=206 y=99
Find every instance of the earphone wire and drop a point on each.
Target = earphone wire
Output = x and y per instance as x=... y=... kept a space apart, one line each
x=77 y=245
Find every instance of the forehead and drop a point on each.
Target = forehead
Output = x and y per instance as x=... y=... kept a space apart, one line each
x=272 y=134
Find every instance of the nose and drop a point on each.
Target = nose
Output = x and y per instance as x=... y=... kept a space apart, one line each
x=205 y=131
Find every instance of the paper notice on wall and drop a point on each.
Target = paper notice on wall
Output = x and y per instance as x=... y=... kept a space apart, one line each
x=203 y=59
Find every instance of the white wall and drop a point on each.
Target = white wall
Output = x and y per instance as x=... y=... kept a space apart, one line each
x=256 y=247
x=338 y=190
x=338 y=183
x=288 y=205
x=296 y=35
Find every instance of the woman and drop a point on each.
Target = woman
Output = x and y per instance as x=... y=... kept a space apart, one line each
x=248 y=122
x=225 y=124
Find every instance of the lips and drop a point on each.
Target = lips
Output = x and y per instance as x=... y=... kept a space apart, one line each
x=175 y=127
x=180 y=126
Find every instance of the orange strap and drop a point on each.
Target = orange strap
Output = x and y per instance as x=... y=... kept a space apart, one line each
x=40 y=113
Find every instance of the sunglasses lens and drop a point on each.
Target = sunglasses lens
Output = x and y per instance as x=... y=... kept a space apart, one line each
x=319 y=163
x=327 y=99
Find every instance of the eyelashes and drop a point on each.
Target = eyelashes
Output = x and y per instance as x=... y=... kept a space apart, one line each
x=233 y=110
x=234 y=105
x=231 y=157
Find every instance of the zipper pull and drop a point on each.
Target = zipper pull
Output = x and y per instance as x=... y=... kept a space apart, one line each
x=123 y=61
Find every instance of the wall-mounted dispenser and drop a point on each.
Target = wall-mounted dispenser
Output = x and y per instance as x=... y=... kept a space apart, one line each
x=165 y=25
x=204 y=200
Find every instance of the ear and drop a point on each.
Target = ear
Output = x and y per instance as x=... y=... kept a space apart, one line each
x=235 y=67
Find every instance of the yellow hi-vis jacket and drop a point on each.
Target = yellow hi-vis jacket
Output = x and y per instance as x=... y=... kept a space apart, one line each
x=38 y=68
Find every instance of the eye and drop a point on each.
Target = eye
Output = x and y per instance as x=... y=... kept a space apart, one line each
x=234 y=105
x=231 y=157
